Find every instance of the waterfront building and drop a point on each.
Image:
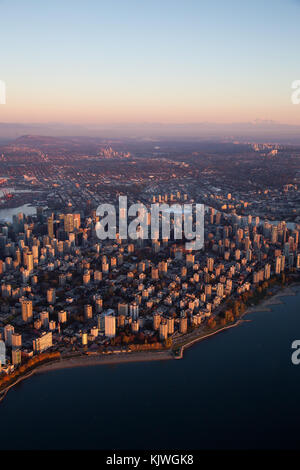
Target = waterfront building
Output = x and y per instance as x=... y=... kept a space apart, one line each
x=43 y=342
x=110 y=326
x=16 y=357
x=135 y=327
x=94 y=331
x=170 y=324
x=163 y=331
x=183 y=325
x=84 y=338
x=156 y=321
x=2 y=354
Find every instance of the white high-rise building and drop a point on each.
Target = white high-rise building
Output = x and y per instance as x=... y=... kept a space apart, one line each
x=2 y=353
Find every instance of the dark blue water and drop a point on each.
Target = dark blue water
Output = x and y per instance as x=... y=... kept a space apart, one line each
x=237 y=389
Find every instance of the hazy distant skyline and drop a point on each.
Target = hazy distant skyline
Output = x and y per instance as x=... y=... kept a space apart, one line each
x=123 y=61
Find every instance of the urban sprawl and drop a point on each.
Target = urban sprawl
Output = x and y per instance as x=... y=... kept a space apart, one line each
x=65 y=293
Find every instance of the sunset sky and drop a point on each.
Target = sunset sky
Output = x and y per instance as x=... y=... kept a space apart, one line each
x=97 y=61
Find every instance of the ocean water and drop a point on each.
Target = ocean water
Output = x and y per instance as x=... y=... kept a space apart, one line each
x=235 y=390
x=6 y=215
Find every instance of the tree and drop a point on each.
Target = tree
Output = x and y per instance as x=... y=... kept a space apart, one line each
x=211 y=323
x=229 y=316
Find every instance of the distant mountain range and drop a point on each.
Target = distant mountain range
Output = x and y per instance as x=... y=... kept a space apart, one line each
x=258 y=131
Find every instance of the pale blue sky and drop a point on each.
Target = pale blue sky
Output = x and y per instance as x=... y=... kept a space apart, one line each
x=149 y=60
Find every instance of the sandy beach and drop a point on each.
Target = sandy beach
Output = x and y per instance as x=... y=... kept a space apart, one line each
x=83 y=361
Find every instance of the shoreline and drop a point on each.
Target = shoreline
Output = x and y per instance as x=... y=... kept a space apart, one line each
x=263 y=306
x=4 y=392
x=82 y=361
x=145 y=356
